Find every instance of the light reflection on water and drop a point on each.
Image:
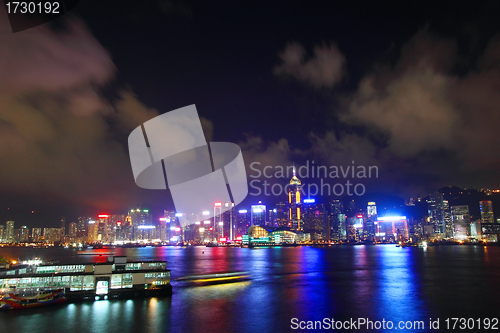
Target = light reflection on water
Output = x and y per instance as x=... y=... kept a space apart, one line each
x=308 y=283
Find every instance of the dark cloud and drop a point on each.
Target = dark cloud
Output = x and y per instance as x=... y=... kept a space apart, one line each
x=422 y=123
x=59 y=136
x=324 y=69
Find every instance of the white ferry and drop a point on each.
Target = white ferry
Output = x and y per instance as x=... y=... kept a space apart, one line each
x=116 y=278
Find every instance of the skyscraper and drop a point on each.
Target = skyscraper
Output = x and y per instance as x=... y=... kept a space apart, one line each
x=242 y=222
x=258 y=215
x=486 y=211
x=337 y=219
x=24 y=234
x=9 y=231
x=140 y=218
x=448 y=221
x=461 y=222
x=295 y=203
x=435 y=208
x=281 y=214
x=371 y=210
x=36 y=234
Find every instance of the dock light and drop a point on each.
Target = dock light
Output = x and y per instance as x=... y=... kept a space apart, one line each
x=223 y=239
x=206 y=212
x=239 y=238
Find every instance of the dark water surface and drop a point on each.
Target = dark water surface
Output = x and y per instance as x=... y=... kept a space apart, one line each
x=307 y=283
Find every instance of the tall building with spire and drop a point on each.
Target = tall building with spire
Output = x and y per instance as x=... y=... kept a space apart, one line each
x=295 y=203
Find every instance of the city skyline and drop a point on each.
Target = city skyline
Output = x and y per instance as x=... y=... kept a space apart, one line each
x=337 y=94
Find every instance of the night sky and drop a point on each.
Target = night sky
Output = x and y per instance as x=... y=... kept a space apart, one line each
x=411 y=87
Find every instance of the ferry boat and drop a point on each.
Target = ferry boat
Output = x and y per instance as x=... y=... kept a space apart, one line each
x=115 y=278
x=11 y=300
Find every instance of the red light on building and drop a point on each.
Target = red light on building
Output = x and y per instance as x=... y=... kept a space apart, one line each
x=102 y=215
x=218 y=204
x=118 y=222
x=359 y=216
x=223 y=239
x=211 y=229
x=239 y=238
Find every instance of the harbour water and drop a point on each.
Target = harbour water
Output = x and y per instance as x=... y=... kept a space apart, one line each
x=308 y=283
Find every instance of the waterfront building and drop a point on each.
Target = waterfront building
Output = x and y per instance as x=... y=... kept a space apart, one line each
x=315 y=219
x=243 y=222
x=142 y=221
x=24 y=234
x=36 y=235
x=294 y=203
x=486 y=208
x=337 y=220
x=72 y=229
x=52 y=235
x=448 y=221
x=258 y=215
x=256 y=231
x=9 y=232
x=92 y=229
x=2 y=233
x=281 y=215
x=461 y=222
x=435 y=209
x=371 y=210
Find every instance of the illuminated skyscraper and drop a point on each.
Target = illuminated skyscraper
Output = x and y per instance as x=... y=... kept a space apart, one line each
x=337 y=220
x=295 y=203
x=461 y=222
x=141 y=220
x=92 y=231
x=371 y=210
x=314 y=219
x=2 y=233
x=486 y=211
x=258 y=215
x=36 y=234
x=24 y=234
x=243 y=222
x=448 y=221
x=72 y=229
x=435 y=208
x=9 y=231
x=281 y=214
